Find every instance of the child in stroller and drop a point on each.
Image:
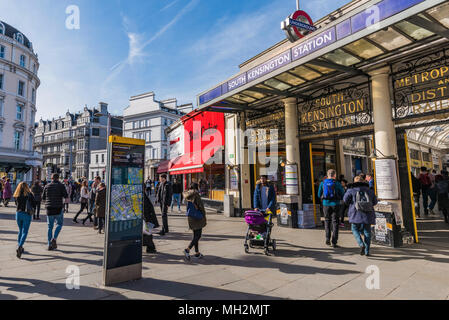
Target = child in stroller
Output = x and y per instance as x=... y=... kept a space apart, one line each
x=259 y=230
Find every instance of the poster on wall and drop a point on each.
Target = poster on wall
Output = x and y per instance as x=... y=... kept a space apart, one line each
x=387 y=179
x=124 y=210
x=291 y=179
x=234 y=180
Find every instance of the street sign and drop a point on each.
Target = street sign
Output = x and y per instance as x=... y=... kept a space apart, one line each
x=124 y=210
x=298 y=25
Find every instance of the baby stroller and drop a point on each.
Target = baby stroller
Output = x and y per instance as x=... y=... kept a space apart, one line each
x=259 y=231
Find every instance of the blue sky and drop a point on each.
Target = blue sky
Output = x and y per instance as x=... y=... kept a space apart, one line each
x=176 y=48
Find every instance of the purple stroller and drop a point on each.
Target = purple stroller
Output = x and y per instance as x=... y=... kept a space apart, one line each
x=259 y=231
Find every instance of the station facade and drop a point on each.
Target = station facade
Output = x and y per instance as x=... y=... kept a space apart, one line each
x=342 y=97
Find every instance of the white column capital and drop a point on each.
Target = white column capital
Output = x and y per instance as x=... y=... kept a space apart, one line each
x=384 y=71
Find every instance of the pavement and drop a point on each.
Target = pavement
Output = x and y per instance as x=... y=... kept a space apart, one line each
x=303 y=267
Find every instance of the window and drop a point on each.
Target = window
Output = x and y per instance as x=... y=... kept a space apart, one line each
x=148 y=122
x=33 y=95
x=2 y=52
x=142 y=124
x=30 y=143
x=32 y=117
x=136 y=125
x=96 y=158
x=1 y=81
x=34 y=68
x=102 y=158
x=19 y=113
x=154 y=154
x=1 y=107
x=22 y=61
x=148 y=136
x=19 y=38
x=18 y=140
x=95 y=132
x=21 y=89
x=2 y=28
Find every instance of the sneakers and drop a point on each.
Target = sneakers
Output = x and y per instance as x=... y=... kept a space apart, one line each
x=328 y=242
x=335 y=246
x=198 y=256
x=150 y=250
x=19 y=252
x=186 y=255
x=53 y=244
x=342 y=225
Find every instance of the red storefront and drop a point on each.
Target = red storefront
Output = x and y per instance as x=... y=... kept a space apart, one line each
x=203 y=158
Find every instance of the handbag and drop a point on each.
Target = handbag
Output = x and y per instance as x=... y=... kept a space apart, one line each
x=29 y=207
x=193 y=212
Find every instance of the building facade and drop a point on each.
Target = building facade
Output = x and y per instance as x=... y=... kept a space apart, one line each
x=146 y=118
x=66 y=142
x=347 y=96
x=98 y=163
x=19 y=82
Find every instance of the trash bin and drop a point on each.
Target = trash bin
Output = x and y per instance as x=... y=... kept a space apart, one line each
x=386 y=231
x=228 y=206
x=287 y=215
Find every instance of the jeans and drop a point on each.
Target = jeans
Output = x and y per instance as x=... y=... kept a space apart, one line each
x=196 y=238
x=177 y=197
x=51 y=222
x=23 y=221
x=331 y=215
x=425 y=199
x=164 y=210
x=357 y=230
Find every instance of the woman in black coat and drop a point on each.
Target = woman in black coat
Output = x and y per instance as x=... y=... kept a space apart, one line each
x=149 y=216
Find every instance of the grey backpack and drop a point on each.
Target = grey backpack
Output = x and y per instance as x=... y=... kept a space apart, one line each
x=363 y=202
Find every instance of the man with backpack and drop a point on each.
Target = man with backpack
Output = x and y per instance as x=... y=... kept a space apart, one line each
x=361 y=201
x=331 y=192
x=426 y=184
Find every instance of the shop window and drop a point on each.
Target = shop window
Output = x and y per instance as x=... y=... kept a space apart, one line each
x=414 y=154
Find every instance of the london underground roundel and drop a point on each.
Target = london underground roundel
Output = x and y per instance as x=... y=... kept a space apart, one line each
x=297 y=25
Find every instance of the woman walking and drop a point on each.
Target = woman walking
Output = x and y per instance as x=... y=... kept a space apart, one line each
x=149 y=216
x=37 y=191
x=196 y=215
x=25 y=208
x=84 y=199
x=361 y=201
x=68 y=188
x=100 y=206
x=7 y=192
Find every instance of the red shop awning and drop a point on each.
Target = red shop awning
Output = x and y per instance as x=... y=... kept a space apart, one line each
x=164 y=167
x=192 y=162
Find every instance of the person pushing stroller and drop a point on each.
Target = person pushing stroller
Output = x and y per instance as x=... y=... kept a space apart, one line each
x=265 y=195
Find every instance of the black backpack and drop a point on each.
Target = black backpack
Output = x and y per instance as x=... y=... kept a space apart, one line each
x=363 y=202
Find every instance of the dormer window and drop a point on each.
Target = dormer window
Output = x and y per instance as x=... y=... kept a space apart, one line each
x=19 y=38
x=2 y=28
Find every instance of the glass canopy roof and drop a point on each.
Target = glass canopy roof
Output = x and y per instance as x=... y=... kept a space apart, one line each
x=372 y=46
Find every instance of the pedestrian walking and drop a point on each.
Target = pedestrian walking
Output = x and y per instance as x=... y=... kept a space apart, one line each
x=196 y=216
x=442 y=187
x=433 y=192
x=37 y=191
x=177 y=191
x=92 y=196
x=84 y=200
x=150 y=218
x=68 y=188
x=416 y=187
x=148 y=185
x=331 y=192
x=370 y=180
x=100 y=205
x=1 y=190
x=25 y=208
x=265 y=195
x=54 y=195
x=426 y=184
x=7 y=192
x=361 y=201
x=343 y=207
x=163 y=197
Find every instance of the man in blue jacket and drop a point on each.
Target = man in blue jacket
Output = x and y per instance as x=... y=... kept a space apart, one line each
x=265 y=195
x=332 y=193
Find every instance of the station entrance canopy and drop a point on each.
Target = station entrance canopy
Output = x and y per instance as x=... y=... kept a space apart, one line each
x=334 y=61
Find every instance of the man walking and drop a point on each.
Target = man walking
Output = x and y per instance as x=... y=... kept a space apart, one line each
x=163 y=196
x=426 y=184
x=148 y=185
x=53 y=196
x=92 y=203
x=177 y=190
x=332 y=193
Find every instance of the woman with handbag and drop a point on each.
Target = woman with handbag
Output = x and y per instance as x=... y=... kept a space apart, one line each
x=196 y=215
x=151 y=223
x=84 y=199
x=25 y=209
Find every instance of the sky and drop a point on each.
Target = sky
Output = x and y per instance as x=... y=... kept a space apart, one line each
x=175 y=48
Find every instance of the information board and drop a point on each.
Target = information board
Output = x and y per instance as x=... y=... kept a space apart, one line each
x=124 y=210
x=387 y=179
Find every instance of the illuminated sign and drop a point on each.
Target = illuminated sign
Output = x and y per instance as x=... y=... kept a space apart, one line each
x=297 y=25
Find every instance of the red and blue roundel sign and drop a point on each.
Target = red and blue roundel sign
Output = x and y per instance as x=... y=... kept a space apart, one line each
x=297 y=25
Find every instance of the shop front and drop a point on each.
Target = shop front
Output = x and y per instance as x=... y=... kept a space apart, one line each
x=343 y=97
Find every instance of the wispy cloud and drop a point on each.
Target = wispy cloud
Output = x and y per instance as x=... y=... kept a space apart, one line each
x=171 y=4
x=137 y=44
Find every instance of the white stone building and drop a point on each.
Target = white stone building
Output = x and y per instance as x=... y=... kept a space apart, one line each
x=146 y=118
x=18 y=86
x=98 y=162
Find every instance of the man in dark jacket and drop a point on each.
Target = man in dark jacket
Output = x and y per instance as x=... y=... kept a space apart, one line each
x=163 y=196
x=53 y=196
x=265 y=195
x=177 y=190
x=100 y=205
x=361 y=201
x=416 y=186
x=149 y=216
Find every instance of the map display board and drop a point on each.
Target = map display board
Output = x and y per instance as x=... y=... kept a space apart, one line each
x=124 y=206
